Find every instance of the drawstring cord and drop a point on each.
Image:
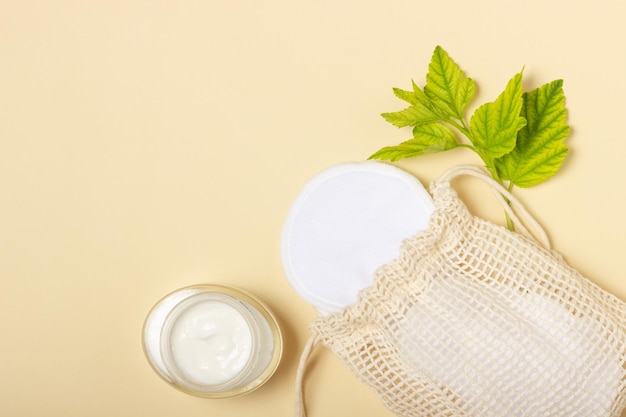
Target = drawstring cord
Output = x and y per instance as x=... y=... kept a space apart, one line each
x=507 y=200
x=313 y=341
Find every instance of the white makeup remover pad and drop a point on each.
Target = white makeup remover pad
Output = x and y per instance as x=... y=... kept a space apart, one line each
x=346 y=222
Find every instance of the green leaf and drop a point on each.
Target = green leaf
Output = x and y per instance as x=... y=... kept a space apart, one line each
x=494 y=125
x=407 y=96
x=446 y=85
x=420 y=112
x=414 y=115
x=422 y=97
x=540 y=150
x=427 y=138
x=416 y=96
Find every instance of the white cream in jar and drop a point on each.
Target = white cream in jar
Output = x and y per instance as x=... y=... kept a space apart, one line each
x=212 y=341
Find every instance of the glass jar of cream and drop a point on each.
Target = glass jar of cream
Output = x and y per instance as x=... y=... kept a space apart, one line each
x=212 y=340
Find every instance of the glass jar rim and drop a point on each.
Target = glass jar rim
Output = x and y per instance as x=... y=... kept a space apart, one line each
x=248 y=299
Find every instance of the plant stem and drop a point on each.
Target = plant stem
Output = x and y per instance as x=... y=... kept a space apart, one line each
x=461 y=128
x=509 y=221
x=489 y=163
x=465 y=145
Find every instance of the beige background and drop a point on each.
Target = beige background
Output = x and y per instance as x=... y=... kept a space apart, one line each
x=149 y=145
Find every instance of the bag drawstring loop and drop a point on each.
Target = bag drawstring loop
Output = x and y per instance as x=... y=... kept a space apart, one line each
x=508 y=201
x=313 y=341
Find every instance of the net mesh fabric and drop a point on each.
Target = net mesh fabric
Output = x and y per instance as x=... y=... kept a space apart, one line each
x=474 y=320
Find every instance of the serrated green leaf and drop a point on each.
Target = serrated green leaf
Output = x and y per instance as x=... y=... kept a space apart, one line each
x=446 y=85
x=408 y=96
x=494 y=125
x=427 y=138
x=540 y=151
x=414 y=115
x=422 y=97
x=436 y=137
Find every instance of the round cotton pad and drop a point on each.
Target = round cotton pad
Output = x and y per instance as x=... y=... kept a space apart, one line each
x=346 y=222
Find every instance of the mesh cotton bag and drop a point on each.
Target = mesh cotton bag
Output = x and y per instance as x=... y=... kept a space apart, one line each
x=472 y=319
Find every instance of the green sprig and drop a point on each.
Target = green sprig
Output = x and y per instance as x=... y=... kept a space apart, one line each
x=519 y=136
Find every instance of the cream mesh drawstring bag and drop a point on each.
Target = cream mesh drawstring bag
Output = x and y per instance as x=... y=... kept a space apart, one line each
x=472 y=319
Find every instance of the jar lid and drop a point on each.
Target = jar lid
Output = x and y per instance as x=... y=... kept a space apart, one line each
x=346 y=222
